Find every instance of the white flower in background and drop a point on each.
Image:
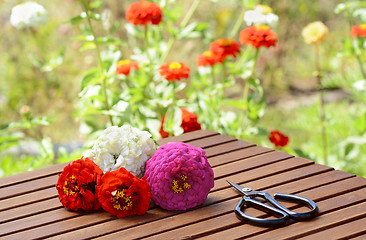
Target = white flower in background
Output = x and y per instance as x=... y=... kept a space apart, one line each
x=262 y=14
x=28 y=14
x=124 y=146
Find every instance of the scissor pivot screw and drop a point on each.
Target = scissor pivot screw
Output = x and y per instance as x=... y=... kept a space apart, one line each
x=246 y=189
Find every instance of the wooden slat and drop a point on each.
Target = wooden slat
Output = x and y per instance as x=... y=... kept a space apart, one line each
x=214 y=200
x=27 y=187
x=208 y=142
x=29 y=210
x=238 y=154
x=345 y=231
x=31 y=175
x=188 y=136
x=29 y=198
x=227 y=147
x=332 y=219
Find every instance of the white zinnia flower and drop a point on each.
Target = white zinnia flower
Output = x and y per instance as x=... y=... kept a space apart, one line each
x=28 y=14
x=262 y=14
x=124 y=146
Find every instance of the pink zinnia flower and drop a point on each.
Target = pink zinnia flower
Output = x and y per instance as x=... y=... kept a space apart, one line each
x=179 y=176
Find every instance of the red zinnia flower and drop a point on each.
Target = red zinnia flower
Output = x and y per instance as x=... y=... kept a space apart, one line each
x=174 y=71
x=278 y=139
x=358 y=30
x=142 y=12
x=122 y=194
x=189 y=123
x=125 y=66
x=207 y=58
x=224 y=47
x=76 y=185
x=258 y=36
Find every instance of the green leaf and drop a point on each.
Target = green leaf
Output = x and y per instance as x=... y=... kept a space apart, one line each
x=186 y=31
x=360 y=124
x=90 y=78
x=96 y=4
x=78 y=18
x=40 y=121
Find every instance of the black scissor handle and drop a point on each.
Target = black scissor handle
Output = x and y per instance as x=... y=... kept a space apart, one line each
x=297 y=199
x=246 y=202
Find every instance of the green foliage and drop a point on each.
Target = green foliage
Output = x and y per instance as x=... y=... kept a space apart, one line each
x=231 y=98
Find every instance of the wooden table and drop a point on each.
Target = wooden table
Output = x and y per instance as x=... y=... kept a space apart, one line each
x=30 y=209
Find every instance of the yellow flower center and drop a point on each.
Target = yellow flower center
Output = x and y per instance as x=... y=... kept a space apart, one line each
x=175 y=65
x=121 y=201
x=124 y=62
x=363 y=26
x=261 y=27
x=207 y=54
x=225 y=42
x=71 y=186
x=180 y=184
x=264 y=9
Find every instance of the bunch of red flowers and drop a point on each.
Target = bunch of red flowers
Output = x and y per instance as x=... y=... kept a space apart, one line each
x=189 y=123
x=83 y=186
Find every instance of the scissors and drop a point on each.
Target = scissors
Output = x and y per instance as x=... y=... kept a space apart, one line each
x=283 y=214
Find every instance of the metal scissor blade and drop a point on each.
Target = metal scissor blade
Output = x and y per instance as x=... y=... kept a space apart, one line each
x=237 y=187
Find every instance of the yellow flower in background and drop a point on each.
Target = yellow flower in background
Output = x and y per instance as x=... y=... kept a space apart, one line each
x=314 y=32
x=264 y=9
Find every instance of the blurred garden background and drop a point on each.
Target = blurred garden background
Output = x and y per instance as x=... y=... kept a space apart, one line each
x=59 y=87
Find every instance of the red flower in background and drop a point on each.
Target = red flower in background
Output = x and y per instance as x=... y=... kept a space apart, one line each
x=174 y=71
x=258 y=36
x=122 y=194
x=143 y=12
x=124 y=66
x=278 y=139
x=76 y=185
x=189 y=123
x=207 y=58
x=224 y=47
x=358 y=30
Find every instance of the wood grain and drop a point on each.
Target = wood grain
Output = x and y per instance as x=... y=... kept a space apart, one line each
x=30 y=209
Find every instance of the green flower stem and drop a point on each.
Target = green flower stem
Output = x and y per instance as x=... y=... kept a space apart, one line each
x=246 y=87
x=252 y=71
x=237 y=24
x=213 y=79
x=322 y=104
x=224 y=72
x=357 y=53
x=183 y=24
x=358 y=57
x=172 y=110
x=36 y=133
x=146 y=42
x=100 y=61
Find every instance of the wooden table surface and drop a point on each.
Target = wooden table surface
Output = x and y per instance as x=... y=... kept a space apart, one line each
x=30 y=209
